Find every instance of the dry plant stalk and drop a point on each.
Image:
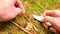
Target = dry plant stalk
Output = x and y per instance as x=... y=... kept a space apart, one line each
x=21 y=28
x=30 y=28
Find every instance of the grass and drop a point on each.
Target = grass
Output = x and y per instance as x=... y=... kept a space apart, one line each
x=36 y=7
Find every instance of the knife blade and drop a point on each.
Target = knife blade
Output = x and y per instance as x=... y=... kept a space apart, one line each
x=40 y=18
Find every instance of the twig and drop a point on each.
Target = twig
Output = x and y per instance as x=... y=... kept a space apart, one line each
x=21 y=28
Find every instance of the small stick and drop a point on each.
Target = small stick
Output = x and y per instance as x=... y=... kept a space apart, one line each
x=21 y=28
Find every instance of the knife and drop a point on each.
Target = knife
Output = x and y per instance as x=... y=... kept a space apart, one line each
x=40 y=18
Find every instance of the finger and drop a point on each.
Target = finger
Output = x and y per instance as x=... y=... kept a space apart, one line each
x=12 y=1
x=44 y=14
x=44 y=25
x=20 y=6
x=51 y=28
x=17 y=11
x=49 y=13
x=54 y=21
x=49 y=19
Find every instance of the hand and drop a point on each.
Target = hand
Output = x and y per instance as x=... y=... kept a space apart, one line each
x=52 y=16
x=9 y=9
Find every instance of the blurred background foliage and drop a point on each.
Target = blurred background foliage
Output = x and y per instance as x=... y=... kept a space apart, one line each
x=36 y=7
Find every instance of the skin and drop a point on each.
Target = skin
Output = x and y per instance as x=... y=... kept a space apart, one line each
x=10 y=9
x=53 y=16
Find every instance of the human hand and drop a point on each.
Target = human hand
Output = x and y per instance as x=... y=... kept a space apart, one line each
x=52 y=16
x=10 y=9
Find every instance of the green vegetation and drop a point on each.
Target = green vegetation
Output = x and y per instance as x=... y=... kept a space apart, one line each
x=32 y=7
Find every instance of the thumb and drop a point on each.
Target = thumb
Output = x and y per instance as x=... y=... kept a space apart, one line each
x=49 y=19
x=17 y=11
x=21 y=6
x=54 y=21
